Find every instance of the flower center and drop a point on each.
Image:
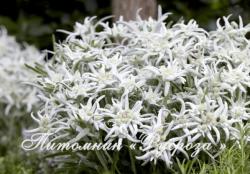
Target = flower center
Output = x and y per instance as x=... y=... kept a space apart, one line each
x=125 y=116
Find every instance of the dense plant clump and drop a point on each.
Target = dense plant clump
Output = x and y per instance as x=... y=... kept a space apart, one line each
x=14 y=93
x=147 y=82
x=17 y=101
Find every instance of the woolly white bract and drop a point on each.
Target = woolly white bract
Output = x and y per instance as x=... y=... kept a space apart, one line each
x=147 y=82
x=13 y=74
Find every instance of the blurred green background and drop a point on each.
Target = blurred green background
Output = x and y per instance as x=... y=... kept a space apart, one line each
x=34 y=21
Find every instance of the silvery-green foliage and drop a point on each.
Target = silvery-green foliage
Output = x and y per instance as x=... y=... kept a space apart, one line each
x=148 y=82
x=14 y=93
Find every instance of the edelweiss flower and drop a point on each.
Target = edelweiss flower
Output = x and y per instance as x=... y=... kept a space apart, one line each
x=155 y=141
x=101 y=76
x=153 y=97
x=211 y=116
x=89 y=113
x=125 y=122
x=48 y=122
x=83 y=88
x=130 y=83
x=236 y=77
x=171 y=72
x=239 y=109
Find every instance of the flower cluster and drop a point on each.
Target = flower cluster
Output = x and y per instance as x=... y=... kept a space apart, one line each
x=147 y=82
x=14 y=93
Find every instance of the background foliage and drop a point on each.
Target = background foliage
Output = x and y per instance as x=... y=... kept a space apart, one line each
x=35 y=21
